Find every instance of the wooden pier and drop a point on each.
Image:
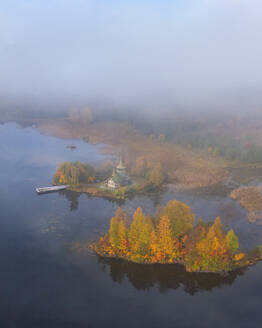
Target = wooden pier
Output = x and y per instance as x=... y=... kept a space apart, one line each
x=45 y=190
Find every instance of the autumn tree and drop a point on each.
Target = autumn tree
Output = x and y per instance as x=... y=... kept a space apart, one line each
x=213 y=250
x=232 y=241
x=114 y=234
x=122 y=237
x=74 y=173
x=141 y=166
x=154 y=247
x=139 y=234
x=122 y=215
x=165 y=240
x=156 y=176
x=180 y=216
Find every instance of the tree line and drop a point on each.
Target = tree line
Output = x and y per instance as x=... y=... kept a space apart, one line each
x=74 y=174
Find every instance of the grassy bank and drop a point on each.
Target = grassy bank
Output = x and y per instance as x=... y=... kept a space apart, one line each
x=249 y=198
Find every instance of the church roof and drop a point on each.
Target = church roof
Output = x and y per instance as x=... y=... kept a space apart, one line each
x=121 y=165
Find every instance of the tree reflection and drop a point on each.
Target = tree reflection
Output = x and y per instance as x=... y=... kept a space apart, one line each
x=72 y=197
x=165 y=277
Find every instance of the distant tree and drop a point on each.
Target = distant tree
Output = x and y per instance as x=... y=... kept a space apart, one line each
x=141 y=166
x=161 y=137
x=86 y=116
x=74 y=116
x=156 y=177
x=82 y=116
x=216 y=152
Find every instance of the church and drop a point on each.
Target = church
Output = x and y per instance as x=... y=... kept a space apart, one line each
x=119 y=177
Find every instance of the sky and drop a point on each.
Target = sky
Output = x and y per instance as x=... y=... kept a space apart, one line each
x=188 y=54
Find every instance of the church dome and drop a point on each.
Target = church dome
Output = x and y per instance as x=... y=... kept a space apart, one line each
x=121 y=166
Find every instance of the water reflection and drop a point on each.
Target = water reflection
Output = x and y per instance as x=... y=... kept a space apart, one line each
x=165 y=277
x=72 y=197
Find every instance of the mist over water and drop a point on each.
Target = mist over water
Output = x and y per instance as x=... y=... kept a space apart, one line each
x=168 y=55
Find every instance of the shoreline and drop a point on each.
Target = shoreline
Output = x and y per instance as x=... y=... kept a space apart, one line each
x=127 y=260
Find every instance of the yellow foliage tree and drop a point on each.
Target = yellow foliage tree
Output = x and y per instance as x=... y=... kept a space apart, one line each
x=139 y=234
x=122 y=237
x=113 y=233
x=165 y=241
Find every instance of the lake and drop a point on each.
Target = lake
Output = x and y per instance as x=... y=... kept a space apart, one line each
x=43 y=283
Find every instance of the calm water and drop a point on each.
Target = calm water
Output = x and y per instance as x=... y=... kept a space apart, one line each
x=44 y=284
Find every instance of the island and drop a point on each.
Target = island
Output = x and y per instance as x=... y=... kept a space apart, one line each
x=250 y=198
x=172 y=237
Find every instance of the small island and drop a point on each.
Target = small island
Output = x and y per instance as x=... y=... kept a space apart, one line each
x=250 y=198
x=171 y=237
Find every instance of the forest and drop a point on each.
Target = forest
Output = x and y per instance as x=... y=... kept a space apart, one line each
x=172 y=237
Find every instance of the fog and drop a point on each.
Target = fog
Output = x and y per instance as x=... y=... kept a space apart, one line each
x=169 y=54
